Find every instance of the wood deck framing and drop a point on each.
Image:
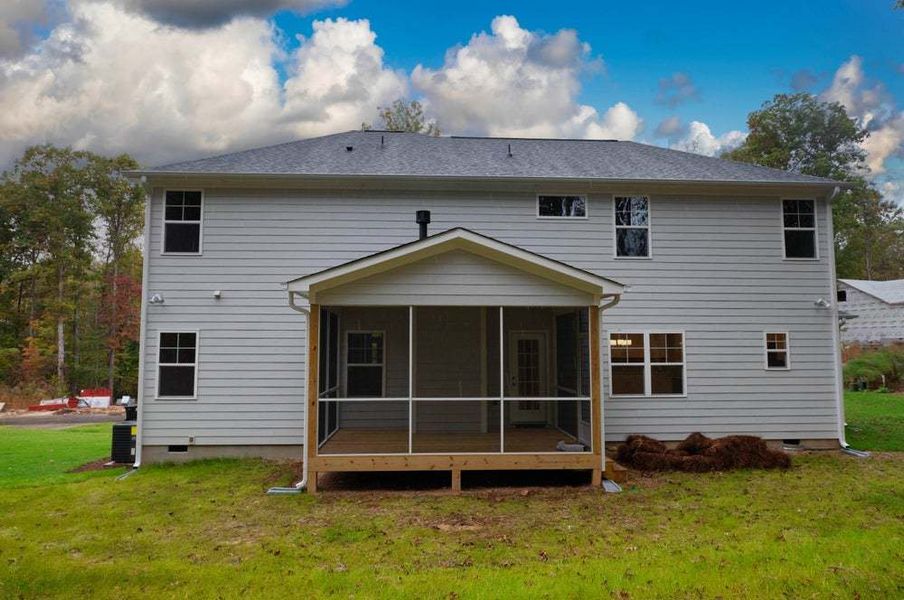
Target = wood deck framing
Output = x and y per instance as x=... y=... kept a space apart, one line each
x=386 y=450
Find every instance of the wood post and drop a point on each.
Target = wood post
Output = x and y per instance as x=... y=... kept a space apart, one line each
x=456 y=481
x=310 y=444
x=595 y=392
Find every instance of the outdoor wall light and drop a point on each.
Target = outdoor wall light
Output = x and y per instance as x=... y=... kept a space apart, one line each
x=822 y=303
x=156 y=299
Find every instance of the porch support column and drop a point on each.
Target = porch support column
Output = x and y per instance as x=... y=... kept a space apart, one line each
x=310 y=444
x=595 y=395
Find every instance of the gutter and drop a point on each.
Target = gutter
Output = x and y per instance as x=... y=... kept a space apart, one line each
x=303 y=484
x=836 y=337
x=613 y=300
x=142 y=333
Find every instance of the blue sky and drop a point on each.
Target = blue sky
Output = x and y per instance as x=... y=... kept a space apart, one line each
x=738 y=53
x=167 y=81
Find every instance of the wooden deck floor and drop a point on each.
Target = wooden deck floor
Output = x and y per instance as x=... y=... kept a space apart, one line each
x=368 y=441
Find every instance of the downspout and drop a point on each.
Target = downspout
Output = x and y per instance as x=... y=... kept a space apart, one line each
x=836 y=336
x=303 y=484
x=142 y=330
x=607 y=301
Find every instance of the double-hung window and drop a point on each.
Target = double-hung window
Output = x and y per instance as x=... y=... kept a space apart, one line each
x=182 y=222
x=647 y=364
x=561 y=207
x=799 y=228
x=364 y=373
x=177 y=365
x=777 y=351
x=632 y=227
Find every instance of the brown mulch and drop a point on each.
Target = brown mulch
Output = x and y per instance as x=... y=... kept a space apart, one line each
x=699 y=454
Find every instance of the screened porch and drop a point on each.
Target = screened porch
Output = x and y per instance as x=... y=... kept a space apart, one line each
x=414 y=380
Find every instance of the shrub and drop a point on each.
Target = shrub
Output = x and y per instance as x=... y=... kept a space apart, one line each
x=879 y=368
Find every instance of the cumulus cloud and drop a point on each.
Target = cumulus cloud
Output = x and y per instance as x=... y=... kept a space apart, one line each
x=669 y=127
x=515 y=82
x=112 y=80
x=700 y=140
x=676 y=89
x=873 y=107
x=212 y=13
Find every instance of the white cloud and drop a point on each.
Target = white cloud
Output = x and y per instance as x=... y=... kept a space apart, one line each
x=700 y=140
x=873 y=107
x=212 y=13
x=515 y=82
x=114 y=81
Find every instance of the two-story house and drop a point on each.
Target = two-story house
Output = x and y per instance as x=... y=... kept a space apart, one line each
x=392 y=301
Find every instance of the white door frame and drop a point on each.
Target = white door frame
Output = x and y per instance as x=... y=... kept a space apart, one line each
x=536 y=413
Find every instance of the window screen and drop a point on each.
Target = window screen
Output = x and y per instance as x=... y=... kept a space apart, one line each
x=647 y=364
x=177 y=362
x=364 y=364
x=799 y=221
x=777 y=351
x=632 y=226
x=562 y=206
x=182 y=222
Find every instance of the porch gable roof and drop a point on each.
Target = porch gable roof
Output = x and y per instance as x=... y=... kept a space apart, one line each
x=458 y=238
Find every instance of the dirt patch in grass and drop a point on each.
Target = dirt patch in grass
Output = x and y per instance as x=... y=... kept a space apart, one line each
x=95 y=465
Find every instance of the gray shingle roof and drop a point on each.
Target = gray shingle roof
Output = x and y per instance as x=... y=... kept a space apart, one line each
x=890 y=292
x=414 y=155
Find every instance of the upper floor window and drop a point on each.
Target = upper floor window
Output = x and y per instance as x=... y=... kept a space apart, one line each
x=799 y=222
x=632 y=226
x=562 y=206
x=842 y=295
x=182 y=222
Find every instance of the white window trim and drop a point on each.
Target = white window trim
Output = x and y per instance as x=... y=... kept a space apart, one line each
x=616 y=227
x=647 y=372
x=814 y=229
x=200 y=223
x=549 y=218
x=160 y=333
x=382 y=365
x=766 y=351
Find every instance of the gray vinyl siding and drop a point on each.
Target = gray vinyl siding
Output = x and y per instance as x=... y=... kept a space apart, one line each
x=717 y=273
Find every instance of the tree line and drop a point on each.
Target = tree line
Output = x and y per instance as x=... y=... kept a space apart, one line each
x=71 y=226
x=70 y=272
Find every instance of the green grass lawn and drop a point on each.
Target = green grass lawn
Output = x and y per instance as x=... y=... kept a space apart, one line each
x=830 y=527
x=875 y=421
x=42 y=456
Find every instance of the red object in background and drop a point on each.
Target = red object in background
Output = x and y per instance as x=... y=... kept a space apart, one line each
x=71 y=402
x=95 y=392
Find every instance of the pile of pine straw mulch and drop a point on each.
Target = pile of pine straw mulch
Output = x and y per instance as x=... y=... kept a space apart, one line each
x=699 y=454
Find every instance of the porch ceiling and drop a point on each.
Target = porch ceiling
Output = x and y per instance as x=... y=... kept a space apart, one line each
x=550 y=277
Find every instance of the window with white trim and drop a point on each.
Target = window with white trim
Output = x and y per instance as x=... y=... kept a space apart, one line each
x=632 y=226
x=799 y=224
x=777 y=353
x=561 y=206
x=364 y=364
x=177 y=365
x=647 y=364
x=182 y=222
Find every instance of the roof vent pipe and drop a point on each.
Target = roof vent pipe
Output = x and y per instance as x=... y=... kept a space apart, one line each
x=422 y=217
